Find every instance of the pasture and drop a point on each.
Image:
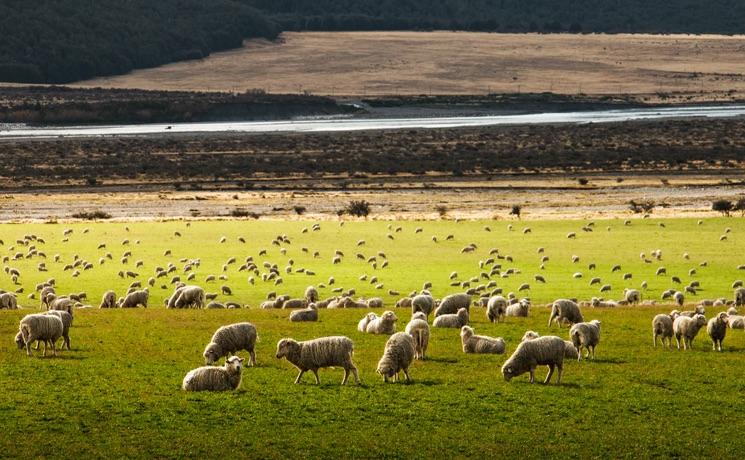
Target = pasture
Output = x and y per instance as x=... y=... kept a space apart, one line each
x=117 y=392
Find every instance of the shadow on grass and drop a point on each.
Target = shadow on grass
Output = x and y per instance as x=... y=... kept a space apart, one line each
x=441 y=360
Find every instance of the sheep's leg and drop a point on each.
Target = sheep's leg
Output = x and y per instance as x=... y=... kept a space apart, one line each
x=346 y=376
x=45 y=350
x=67 y=342
x=561 y=371
x=532 y=374
x=54 y=347
x=315 y=372
x=593 y=353
x=252 y=360
x=654 y=340
x=356 y=375
x=677 y=341
x=550 y=373
x=36 y=346
x=406 y=373
x=297 y=380
x=28 y=348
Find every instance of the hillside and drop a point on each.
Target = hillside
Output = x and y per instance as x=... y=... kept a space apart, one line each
x=53 y=41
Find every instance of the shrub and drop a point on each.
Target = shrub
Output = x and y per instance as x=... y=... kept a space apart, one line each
x=442 y=210
x=642 y=206
x=583 y=181
x=723 y=206
x=516 y=210
x=356 y=208
x=240 y=212
x=91 y=215
x=299 y=210
x=740 y=206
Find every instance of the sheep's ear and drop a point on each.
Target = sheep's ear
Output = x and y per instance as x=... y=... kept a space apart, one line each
x=240 y=360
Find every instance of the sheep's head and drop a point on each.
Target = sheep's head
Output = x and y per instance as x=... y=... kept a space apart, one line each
x=234 y=363
x=386 y=371
x=596 y=322
x=674 y=314
x=389 y=316
x=529 y=335
x=211 y=353
x=419 y=315
x=19 y=340
x=508 y=372
x=724 y=317
x=285 y=347
x=699 y=319
x=700 y=309
x=466 y=331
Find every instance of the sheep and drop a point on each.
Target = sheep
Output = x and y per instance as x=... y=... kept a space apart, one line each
x=570 y=352
x=717 y=330
x=662 y=327
x=587 y=336
x=362 y=324
x=384 y=324
x=189 y=297
x=687 y=327
x=45 y=328
x=473 y=343
x=399 y=353
x=375 y=302
x=632 y=296
x=519 y=309
x=679 y=298
x=452 y=303
x=598 y=303
x=312 y=355
x=457 y=320
x=108 y=300
x=423 y=303
x=739 y=297
x=496 y=308
x=210 y=378
x=231 y=339
x=66 y=319
x=565 y=310
x=311 y=294
x=548 y=350
x=418 y=328
x=295 y=303
x=62 y=303
x=135 y=299
x=8 y=301
x=307 y=314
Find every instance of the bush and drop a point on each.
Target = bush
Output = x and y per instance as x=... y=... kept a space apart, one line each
x=442 y=210
x=299 y=210
x=641 y=207
x=723 y=206
x=91 y=215
x=359 y=208
x=583 y=181
x=239 y=212
x=740 y=206
x=516 y=210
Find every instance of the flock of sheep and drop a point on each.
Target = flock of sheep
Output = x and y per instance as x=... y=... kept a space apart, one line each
x=401 y=348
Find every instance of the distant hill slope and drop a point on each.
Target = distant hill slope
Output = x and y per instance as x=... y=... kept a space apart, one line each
x=611 y=16
x=59 y=41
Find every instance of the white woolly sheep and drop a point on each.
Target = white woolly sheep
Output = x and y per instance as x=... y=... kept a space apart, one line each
x=362 y=325
x=587 y=336
x=565 y=310
x=457 y=320
x=44 y=328
x=384 y=324
x=66 y=319
x=687 y=327
x=423 y=303
x=717 y=330
x=8 y=301
x=399 y=353
x=312 y=355
x=311 y=294
x=739 y=297
x=519 y=309
x=375 y=302
x=210 y=378
x=418 y=328
x=569 y=351
x=662 y=327
x=548 y=351
x=190 y=297
x=231 y=339
x=135 y=299
x=632 y=296
x=306 y=314
x=452 y=303
x=496 y=308
x=599 y=303
x=473 y=343
x=108 y=300
x=295 y=303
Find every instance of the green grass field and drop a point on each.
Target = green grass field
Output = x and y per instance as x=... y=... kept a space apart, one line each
x=117 y=393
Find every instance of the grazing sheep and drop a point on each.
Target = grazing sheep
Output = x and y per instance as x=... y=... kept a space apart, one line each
x=452 y=303
x=473 y=343
x=8 y=301
x=210 y=378
x=565 y=310
x=662 y=327
x=679 y=298
x=384 y=324
x=424 y=303
x=717 y=330
x=362 y=325
x=418 y=328
x=632 y=296
x=519 y=309
x=496 y=308
x=687 y=327
x=189 y=297
x=739 y=297
x=231 y=339
x=399 y=353
x=45 y=328
x=570 y=352
x=457 y=320
x=548 y=350
x=311 y=294
x=135 y=299
x=312 y=355
x=307 y=314
x=66 y=319
x=108 y=300
x=587 y=336
x=62 y=303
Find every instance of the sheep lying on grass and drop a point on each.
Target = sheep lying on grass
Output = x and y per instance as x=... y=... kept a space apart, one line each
x=519 y=309
x=457 y=320
x=587 y=336
x=687 y=328
x=312 y=355
x=306 y=314
x=44 y=328
x=210 y=378
x=231 y=339
x=385 y=324
x=564 y=310
x=399 y=353
x=473 y=343
x=418 y=328
x=362 y=325
x=548 y=351
x=717 y=330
